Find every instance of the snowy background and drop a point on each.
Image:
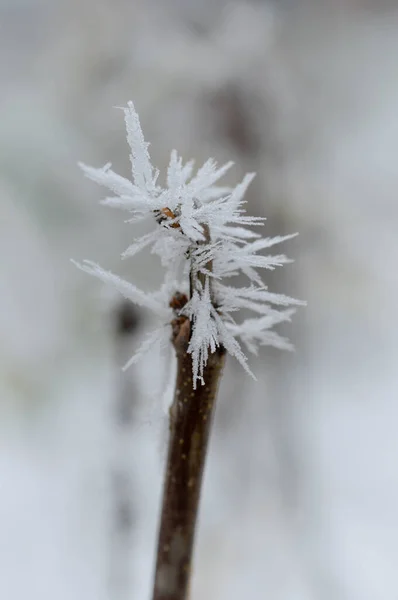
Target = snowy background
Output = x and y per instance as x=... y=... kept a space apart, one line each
x=301 y=490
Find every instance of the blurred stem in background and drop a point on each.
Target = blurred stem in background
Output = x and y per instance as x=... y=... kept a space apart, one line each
x=190 y=421
x=125 y=322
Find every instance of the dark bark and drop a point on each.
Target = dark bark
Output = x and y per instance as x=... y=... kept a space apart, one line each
x=190 y=421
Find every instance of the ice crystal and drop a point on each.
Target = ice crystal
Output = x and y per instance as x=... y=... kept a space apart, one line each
x=202 y=236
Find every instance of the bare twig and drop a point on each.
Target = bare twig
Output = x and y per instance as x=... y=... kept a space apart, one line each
x=190 y=421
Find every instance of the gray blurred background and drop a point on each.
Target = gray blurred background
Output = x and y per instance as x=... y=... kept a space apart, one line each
x=301 y=490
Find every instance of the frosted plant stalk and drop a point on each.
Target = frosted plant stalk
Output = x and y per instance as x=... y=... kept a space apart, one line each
x=204 y=239
x=196 y=223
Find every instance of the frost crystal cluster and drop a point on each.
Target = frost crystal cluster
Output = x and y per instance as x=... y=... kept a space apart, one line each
x=202 y=238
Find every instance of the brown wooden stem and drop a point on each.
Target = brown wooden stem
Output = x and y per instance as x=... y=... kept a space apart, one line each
x=190 y=421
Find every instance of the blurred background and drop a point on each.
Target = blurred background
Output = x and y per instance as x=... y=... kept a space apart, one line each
x=301 y=490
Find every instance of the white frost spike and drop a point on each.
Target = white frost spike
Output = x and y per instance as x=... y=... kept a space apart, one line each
x=231 y=344
x=256 y=332
x=177 y=174
x=200 y=230
x=140 y=160
x=267 y=243
x=140 y=244
x=237 y=233
x=206 y=177
x=260 y=295
x=204 y=335
x=128 y=290
x=127 y=203
x=108 y=178
x=237 y=196
x=158 y=337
